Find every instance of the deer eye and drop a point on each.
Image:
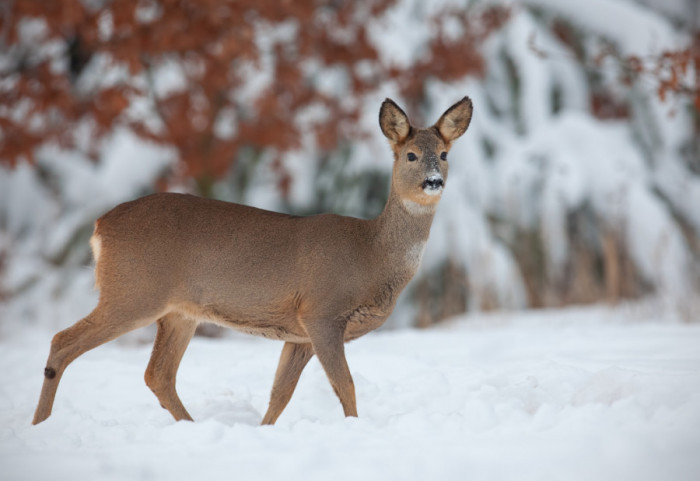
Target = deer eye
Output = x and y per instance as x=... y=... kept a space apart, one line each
x=411 y=157
x=443 y=156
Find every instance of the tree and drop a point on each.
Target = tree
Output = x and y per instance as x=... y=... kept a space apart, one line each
x=216 y=76
x=213 y=80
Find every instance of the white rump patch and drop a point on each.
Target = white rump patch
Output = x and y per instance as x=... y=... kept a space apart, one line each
x=96 y=245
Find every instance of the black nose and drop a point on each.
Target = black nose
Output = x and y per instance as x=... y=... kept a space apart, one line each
x=433 y=182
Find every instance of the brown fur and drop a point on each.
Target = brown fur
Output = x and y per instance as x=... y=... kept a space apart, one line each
x=313 y=282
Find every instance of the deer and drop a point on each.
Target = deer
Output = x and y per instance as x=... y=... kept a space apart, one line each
x=314 y=282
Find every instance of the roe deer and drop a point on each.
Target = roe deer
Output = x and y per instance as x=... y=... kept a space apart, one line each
x=314 y=282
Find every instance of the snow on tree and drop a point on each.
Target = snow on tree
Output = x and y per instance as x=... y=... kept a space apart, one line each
x=579 y=180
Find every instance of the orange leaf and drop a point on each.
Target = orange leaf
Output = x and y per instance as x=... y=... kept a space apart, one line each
x=662 y=92
x=673 y=83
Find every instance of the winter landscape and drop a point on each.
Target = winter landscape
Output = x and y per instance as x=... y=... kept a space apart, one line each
x=552 y=331
x=574 y=394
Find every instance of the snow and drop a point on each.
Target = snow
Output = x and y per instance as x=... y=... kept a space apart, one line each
x=576 y=394
x=641 y=31
x=398 y=39
x=169 y=78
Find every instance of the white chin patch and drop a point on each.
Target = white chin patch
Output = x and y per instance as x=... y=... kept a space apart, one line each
x=430 y=191
x=414 y=208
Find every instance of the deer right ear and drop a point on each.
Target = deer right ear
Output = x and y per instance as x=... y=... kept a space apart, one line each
x=455 y=120
x=393 y=122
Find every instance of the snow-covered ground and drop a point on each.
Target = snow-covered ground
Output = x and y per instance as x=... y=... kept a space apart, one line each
x=577 y=394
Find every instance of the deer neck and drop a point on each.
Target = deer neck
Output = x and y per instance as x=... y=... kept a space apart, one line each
x=402 y=231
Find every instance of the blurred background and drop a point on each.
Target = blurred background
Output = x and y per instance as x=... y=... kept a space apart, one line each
x=577 y=182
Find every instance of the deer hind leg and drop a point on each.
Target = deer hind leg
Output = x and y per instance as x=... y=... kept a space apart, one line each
x=293 y=359
x=173 y=336
x=328 y=343
x=103 y=324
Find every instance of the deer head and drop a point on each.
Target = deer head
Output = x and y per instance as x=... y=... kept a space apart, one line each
x=420 y=155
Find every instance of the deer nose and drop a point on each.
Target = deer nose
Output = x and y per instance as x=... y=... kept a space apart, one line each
x=433 y=183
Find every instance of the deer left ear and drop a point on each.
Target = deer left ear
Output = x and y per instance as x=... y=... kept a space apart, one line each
x=455 y=120
x=393 y=122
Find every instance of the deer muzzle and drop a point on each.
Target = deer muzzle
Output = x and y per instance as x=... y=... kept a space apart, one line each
x=433 y=184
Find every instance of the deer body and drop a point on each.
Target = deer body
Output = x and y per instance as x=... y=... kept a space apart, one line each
x=293 y=275
x=314 y=282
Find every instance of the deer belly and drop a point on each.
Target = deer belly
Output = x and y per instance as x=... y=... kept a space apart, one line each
x=280 y=333
x=272 y=322
x=365 y=319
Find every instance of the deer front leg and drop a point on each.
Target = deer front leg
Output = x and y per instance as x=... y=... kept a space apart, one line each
x=293 y=359
x=327 y=340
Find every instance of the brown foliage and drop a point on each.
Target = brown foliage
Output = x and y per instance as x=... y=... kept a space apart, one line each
x=666 y=72
x=211 y=40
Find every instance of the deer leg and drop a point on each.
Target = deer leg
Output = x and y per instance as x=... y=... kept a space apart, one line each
x=173 y=336
x=293 y=359
x=328 y=344
x=100 y=326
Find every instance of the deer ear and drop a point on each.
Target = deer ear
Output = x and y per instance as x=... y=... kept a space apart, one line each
x=393 y=122
x=455 y=120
